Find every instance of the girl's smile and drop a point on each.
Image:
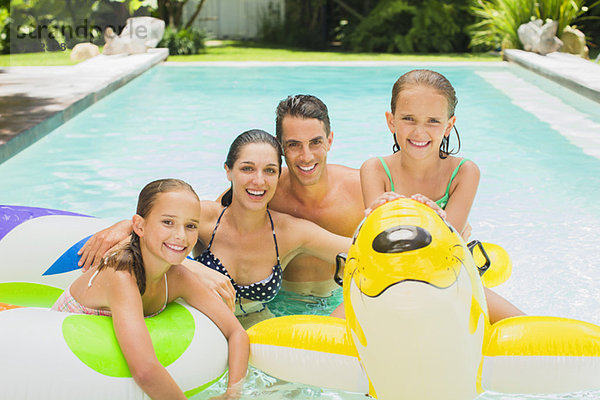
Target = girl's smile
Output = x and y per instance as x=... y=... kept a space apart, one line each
x=170 y=230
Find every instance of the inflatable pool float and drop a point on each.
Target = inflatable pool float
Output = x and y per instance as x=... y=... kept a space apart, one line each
x=417 y=324
x=54 y=355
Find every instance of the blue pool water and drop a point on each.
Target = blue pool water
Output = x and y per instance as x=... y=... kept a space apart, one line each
x=540 y=176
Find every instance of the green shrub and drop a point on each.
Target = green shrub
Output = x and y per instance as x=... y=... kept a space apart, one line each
x=590 y=25
x=412 y=26
x=436 y=27
x=304 y=25
x=498 y=20
x=183 y=41
x=4 y=30
x=385 y=29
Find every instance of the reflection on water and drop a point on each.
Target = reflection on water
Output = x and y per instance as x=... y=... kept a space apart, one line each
x=259 y=385
x=290 y=303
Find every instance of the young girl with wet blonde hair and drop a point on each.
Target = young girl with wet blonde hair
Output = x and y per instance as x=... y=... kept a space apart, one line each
x=422 y=165
x=143 y=275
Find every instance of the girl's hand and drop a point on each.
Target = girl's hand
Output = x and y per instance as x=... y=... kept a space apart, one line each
x=98 y=245
x=428 y=202
x=381 y=200
x=390 y=196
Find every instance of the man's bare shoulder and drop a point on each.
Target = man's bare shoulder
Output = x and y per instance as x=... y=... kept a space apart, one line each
x=341 y=169
x=343 y=175
x=345 y=181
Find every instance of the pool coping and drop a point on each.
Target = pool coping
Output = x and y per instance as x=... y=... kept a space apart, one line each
x=330 y=63
x=569 y=70
x=66 y=91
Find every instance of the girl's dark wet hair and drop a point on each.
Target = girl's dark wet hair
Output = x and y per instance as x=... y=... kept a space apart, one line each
x=129 y=256
x=434 y=80
x=248 y=137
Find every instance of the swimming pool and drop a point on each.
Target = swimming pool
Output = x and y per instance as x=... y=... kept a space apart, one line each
x=532 y=139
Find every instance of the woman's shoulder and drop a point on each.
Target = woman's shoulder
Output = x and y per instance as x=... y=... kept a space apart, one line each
x=284 y=222
x=281 y=218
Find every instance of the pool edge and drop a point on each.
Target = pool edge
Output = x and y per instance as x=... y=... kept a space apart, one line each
x=125 y=72
x=558 y=67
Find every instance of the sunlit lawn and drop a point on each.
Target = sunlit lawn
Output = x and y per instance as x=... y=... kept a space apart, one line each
x=248 y=51
x=37 y=59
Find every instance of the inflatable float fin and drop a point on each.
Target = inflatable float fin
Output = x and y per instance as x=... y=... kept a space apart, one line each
x=500 y=267
x=310 y=349
x=536 y=354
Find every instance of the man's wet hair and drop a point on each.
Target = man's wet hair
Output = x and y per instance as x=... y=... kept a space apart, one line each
x=301 y=106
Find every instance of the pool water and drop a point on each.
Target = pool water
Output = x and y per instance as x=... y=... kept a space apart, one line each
x=534 y=141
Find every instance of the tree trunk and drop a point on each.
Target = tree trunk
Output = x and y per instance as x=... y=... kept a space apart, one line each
x=195 y=14
x=350 y=9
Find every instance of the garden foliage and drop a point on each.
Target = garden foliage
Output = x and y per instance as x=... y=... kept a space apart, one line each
x=413 y=26
x=183 y=41
x=304 y=24
x=498 y=20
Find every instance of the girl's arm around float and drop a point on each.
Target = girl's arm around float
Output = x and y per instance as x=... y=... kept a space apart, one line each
x=125 y=302
x=187 y=285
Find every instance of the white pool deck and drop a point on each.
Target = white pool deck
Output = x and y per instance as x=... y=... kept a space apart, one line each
x=36 y=100
x=582 y=76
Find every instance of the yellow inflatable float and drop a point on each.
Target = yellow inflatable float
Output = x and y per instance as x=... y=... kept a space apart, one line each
x=417 y=323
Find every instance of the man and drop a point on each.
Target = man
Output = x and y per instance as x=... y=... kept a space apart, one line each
x=326 y=194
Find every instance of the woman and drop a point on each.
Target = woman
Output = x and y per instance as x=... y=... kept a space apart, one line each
x=240 y=237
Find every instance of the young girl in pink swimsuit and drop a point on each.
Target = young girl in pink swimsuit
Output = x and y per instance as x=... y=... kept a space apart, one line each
x=140 y=278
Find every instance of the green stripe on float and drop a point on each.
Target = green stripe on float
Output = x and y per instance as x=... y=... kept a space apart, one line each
x=193 y=392
x=27 y=294
x=92 y=339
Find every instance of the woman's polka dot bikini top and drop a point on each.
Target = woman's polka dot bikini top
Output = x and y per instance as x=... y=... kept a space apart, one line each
x=264 y=290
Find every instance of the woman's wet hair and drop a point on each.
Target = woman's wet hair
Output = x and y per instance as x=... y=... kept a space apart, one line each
x=302 y=106
x=434 y=80
x=248 y=137
x=129 y=256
